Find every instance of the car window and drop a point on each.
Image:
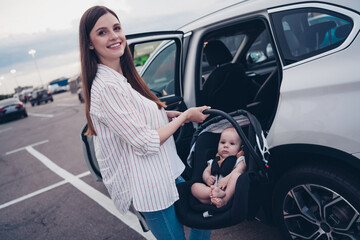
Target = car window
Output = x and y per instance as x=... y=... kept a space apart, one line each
x=157 y=62
x=261 y=51
x=231 y=41
x=307 y=32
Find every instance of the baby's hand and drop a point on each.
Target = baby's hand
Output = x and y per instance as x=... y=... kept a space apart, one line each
x=211 y=180
x=222 y=183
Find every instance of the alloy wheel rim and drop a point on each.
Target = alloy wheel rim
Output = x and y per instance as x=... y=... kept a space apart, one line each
x=313 y=211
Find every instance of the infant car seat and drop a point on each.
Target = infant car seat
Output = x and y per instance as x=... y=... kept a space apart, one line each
x=249 y=187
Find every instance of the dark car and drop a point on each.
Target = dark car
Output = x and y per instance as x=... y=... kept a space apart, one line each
x=40 y=95
x=80 y=95
x=11 y=108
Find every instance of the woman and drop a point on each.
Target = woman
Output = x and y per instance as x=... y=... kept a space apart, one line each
x=133 y=136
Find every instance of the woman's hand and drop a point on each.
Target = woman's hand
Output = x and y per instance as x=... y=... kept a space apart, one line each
x=172 y=115
x=190 y=115
x=195 y=114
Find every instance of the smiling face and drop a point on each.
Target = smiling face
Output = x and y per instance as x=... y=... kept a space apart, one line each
x=108 y=40
x=229 y=144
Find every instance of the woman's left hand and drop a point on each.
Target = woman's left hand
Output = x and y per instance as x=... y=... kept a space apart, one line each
x=172 y=114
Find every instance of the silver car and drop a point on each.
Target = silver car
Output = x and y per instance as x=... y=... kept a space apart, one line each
x=295 y=67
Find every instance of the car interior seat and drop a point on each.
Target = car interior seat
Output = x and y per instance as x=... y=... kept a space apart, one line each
x=293 y=42
x=226 y=87
x=315 y=35
x=342 y=31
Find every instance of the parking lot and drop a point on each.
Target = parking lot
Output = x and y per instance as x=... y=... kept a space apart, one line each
x=48 y=193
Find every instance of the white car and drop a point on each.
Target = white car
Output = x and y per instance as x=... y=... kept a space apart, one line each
x=294 y=65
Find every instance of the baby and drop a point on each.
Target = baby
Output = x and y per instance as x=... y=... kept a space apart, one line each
x=222 y=173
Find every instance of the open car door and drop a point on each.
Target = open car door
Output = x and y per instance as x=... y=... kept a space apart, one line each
x=158 y=58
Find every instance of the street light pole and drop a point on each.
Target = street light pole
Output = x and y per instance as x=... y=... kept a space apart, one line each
x=32 y=53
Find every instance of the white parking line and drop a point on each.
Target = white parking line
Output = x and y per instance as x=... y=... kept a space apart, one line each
x=32 y=194
x=129 y=219
x=23 y=148
x=5 y=129
x=40 y=191
x=67 y=104
x=41 y=115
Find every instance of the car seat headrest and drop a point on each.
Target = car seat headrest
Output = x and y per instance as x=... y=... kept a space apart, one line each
x=217 y=53
x=292 y=40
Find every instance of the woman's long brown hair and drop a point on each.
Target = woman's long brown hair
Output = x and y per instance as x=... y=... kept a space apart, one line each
x=89 y=62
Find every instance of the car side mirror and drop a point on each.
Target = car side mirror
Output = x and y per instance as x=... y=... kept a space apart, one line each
x=255 y=57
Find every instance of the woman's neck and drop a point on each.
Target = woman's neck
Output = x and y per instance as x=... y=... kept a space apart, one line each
x=114 y=65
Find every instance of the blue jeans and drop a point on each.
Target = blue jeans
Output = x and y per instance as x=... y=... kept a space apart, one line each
x=165 y=225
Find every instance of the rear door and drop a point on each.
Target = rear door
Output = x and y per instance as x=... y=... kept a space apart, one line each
x=158 y=58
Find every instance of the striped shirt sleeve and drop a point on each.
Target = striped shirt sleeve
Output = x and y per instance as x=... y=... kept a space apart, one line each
x=120 y=115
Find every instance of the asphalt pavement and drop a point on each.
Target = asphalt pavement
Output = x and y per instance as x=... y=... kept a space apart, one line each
x=46 y=191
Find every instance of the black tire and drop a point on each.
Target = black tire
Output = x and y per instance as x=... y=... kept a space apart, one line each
x=38 y=103
x=313 y=201
x=25 y=114
x=51 y=99
x=32 y=104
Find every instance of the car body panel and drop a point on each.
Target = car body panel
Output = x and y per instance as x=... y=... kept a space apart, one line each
x=319 y=123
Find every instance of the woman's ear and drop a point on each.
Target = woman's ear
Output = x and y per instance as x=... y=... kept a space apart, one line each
x=91 y=46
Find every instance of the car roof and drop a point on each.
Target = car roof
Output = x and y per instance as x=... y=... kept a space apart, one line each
x=250 y=6
x=9 y=101
x=40 y=90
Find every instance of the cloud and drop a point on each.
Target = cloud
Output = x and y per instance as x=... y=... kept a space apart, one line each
x=15 y=48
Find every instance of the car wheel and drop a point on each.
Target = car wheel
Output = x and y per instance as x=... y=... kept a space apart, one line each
x=38 y=103
x=25 y=114
x=52 y=99
x=318 y=203
x=32 y=104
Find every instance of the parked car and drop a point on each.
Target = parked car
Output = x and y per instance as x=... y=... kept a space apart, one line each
x=26 y=94
x=11 y=108
x=300 y=78
x=55 y=88
x=40 y=95
x=80 y=95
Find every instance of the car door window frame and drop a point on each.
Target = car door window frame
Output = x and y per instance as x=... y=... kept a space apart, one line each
x=328 y=9
x=163 y=36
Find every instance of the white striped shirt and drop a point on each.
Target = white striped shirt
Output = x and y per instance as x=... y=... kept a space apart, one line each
x=133 y=165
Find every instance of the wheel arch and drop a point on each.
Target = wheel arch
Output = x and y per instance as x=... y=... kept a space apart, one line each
x=289 y=156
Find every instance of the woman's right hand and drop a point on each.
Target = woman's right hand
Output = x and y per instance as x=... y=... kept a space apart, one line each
x=195 y=114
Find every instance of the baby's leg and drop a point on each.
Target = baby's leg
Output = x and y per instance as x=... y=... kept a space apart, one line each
x=216 y=192
x=230 y=189
x=201 y=192
x=219 y=202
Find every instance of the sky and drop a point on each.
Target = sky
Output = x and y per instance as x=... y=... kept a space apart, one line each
x=51 y=29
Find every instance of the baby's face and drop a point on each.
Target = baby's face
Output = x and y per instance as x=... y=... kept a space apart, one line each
x=229 y=143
